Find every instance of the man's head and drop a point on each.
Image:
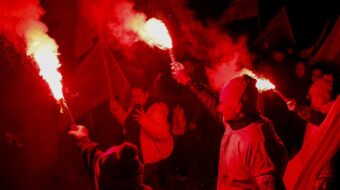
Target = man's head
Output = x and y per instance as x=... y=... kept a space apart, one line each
x=321 y=93
x=238 y=98
x=317 y=74
x=278 y=55
x=139 y=95
x=300 y=69
x=120 y=168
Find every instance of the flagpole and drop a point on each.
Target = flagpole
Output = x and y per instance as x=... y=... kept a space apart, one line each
x=107 y=73
x=64 y=107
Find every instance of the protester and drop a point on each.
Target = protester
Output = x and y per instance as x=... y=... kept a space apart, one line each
x=116 y=168
x=252 y=156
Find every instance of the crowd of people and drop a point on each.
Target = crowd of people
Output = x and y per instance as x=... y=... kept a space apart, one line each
x=240 y=139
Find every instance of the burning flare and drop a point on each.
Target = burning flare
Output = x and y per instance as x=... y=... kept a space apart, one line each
x=155 y=33
x=262 y=84
x=44 y=51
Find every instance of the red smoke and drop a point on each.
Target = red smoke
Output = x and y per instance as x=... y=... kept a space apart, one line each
x=192 y=39
x=16 y=16
x=20 y=22
x=208 y=43
x=117 y=18
x=221 y=73
x=228 y=59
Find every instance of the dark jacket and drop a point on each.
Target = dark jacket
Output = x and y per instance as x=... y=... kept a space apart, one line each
x=109 y=171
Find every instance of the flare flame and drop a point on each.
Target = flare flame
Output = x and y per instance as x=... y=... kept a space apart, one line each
x=155 y=33
x=44 y=50
x=262 y=84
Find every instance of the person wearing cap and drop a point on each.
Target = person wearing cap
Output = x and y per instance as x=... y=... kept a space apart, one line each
x=117 y=168
x=252 y=156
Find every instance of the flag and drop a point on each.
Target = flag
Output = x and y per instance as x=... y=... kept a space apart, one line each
x=240 y=10
x=96 y=79
x=278 y=30
x=303 y=169
x=91 y=73
x=330 y=49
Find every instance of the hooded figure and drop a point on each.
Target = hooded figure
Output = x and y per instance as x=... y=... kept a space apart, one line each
x=117 y=168
x=252 y=156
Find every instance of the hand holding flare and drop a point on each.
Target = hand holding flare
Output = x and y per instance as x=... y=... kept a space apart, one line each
x=78 y=132
x=179 y=74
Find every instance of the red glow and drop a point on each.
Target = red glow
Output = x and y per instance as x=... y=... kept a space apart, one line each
x=227 y=58
x=221 y=74
x=44 y=51
x=129 y=25
x=19 y=22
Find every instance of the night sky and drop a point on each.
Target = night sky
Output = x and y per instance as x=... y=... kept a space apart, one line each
x=307 y=18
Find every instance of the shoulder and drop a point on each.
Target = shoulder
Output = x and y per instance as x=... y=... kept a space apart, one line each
x=255 y=133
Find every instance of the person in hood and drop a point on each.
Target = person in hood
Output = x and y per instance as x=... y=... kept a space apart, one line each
x=117 y=168
x=252 y=156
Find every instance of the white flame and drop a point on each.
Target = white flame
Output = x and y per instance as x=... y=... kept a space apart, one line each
x=262 y=84
x=155 y=33
x=44 y=51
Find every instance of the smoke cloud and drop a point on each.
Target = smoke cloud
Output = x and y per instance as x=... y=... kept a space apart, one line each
x=114 y=18
x=119 y=20
x=17 y=17
x=192 y=39
x=20 y=23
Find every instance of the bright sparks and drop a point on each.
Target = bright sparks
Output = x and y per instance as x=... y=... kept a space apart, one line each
x=44 y=51
x=155 y=33
x=262 y=84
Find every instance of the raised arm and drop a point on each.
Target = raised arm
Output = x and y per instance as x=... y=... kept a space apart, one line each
x=307 y=113
x=154 y=122
x=200 y=90
x=89 y=150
